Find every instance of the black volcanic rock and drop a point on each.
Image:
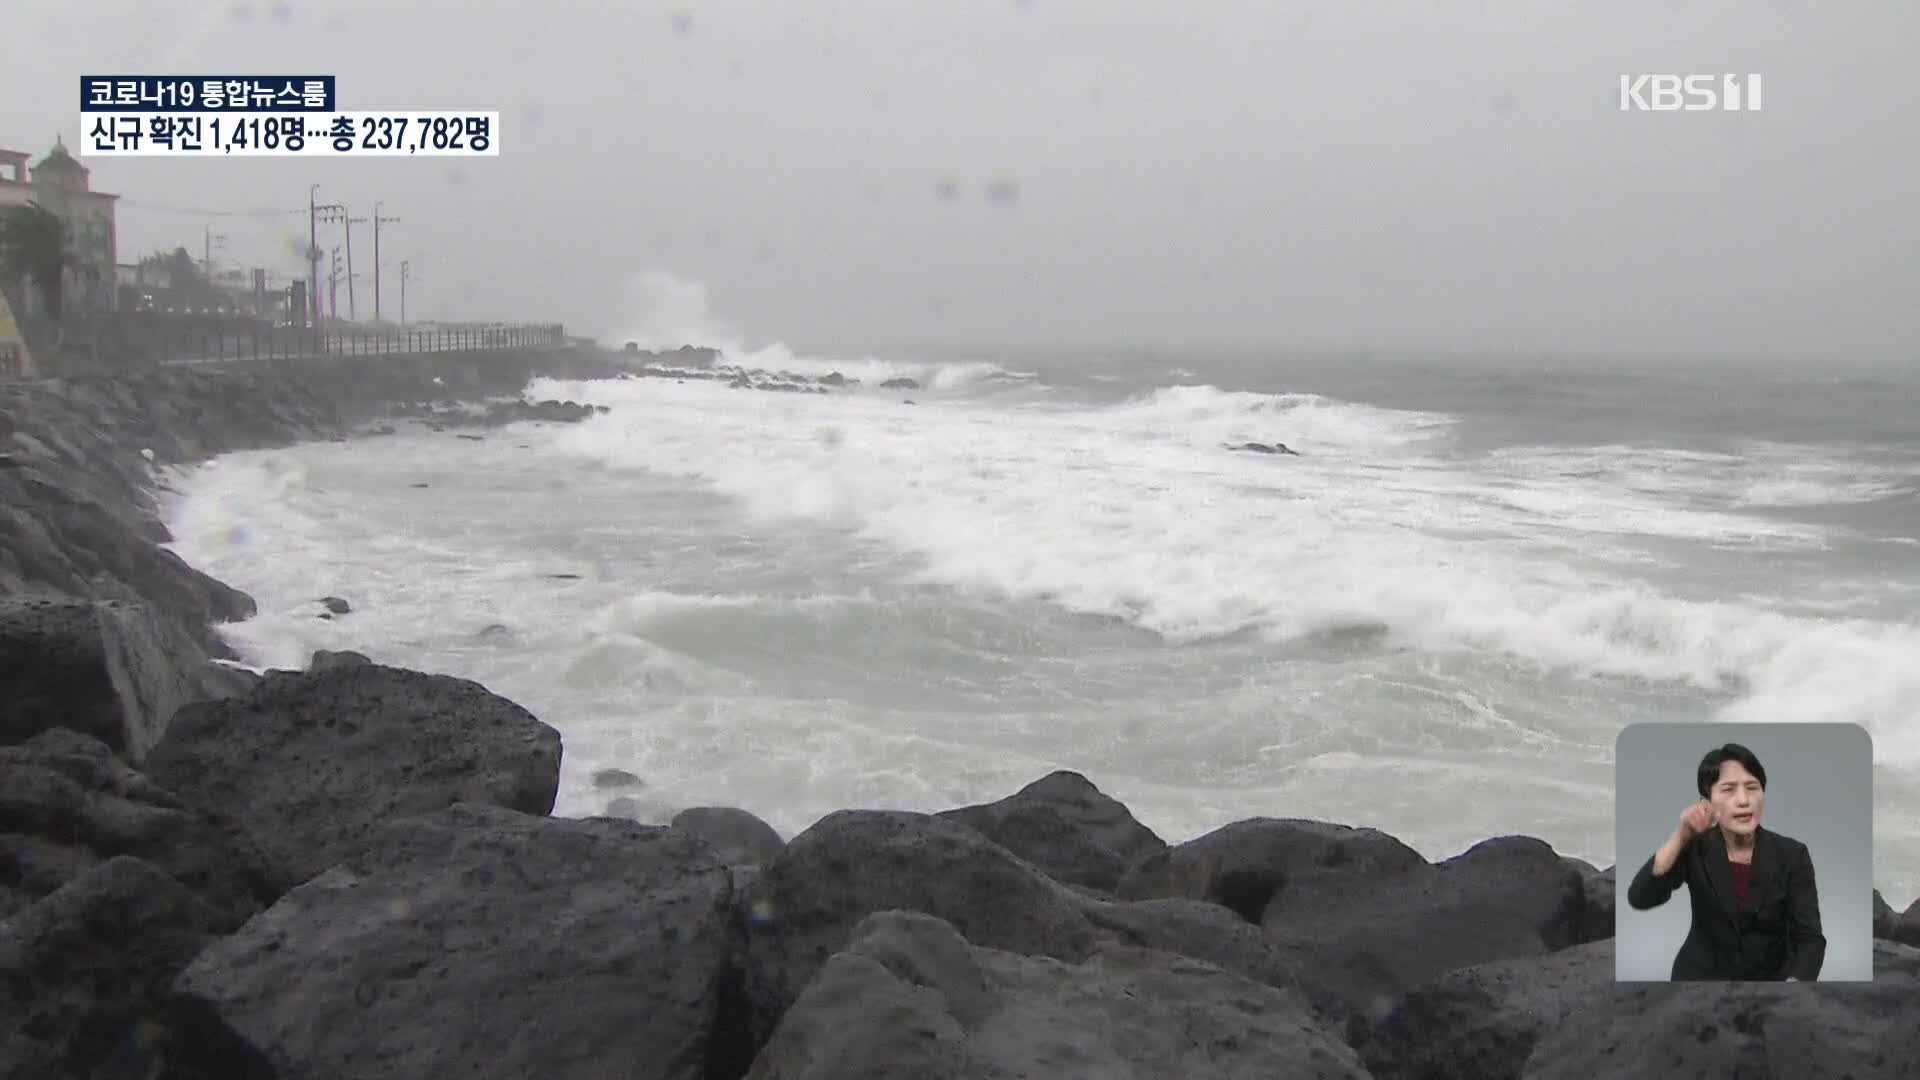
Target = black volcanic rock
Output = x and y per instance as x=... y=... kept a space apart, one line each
x=1374 y=937
x=1208 y=932
x=85 y=973
x=1482 y=1021
x=910 y=999
x=107 y=668
x=1755 y=1031
x=481 y=943
x=739 y=837
x=1900 y=926
x=68 y=805
x=67 y=530
x=1242 y=866
x=1597 y=921
x=806 y=903
x=615 y=778
x=311 y=763
x=328 y=659
x=549 y=411
x=1066 y=826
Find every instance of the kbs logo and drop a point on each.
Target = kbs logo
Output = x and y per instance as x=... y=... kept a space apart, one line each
x=1689 y=93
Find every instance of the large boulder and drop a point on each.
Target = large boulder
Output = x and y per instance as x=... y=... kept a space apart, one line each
x=85 y=973
x=1244 y=865
x=1755 y=1031
x=1597 y=920
x=1482 y=1021
x=327 y=659
x=310 y=763
x=1900 y=926
x=1066 y=826
x=108 y=669
x=805 y=904
x=910 y=999
x=1372 y=939
x=741 y=838
x=67 y=805
x=481 y=943
x=67 y=528
x=1211 y=933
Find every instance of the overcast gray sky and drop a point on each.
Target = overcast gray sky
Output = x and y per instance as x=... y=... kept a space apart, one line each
x=1404 y=174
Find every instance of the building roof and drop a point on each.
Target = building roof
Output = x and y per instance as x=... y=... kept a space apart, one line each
x=58 y=160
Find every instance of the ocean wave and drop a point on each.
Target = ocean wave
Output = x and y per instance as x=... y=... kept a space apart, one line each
x=663 y=312
x=1134 y=512
x=1760 y=476
x=1297 y=419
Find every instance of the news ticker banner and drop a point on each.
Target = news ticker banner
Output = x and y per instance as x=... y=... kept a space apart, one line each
x=264 y=116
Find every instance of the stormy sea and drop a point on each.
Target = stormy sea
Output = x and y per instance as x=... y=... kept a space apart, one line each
x=1433 y=619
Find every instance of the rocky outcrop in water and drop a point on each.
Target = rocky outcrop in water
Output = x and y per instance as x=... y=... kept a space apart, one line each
x=745 y=378
x=444 y=414
x=739 y=837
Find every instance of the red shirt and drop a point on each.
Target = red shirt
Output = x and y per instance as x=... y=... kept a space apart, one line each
x=1742 y=875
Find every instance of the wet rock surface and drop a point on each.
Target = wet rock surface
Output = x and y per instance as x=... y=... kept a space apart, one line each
x=478 y=942
x=492 y=940
x=310 y=764
x=68 y=805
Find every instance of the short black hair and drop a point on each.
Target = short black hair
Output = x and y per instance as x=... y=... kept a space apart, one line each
x=1709 y=772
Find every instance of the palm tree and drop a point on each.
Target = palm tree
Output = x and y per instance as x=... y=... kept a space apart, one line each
x=187 y=284
x=33 y=247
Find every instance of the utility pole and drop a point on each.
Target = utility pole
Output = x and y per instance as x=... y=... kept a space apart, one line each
x=316 y=213
x=333 y=286
x=207 y=243
x=353 y=309
x=377 y=222
x=313 y=252
x=328 y=214
x=406 y=275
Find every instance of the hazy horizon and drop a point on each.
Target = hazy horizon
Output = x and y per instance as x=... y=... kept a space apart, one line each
x=1314 y=177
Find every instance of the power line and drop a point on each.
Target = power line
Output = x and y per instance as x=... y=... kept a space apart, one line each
x=124 y=201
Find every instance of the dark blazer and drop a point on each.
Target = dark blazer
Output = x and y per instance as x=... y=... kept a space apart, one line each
x=1775 y=936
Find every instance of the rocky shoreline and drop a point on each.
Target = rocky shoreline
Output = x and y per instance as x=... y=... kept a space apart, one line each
x=82 y=555
x=354 y=871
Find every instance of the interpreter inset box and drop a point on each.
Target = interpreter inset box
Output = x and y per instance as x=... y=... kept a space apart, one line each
x=1744 y=853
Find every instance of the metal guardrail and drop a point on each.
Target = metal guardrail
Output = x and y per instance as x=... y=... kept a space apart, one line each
x=120 y=341
x=298 y=343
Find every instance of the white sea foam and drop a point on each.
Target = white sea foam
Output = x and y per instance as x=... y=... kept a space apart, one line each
x=798 y=603
x=664 y=312
x=1762 y=475
x=1136 y=512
